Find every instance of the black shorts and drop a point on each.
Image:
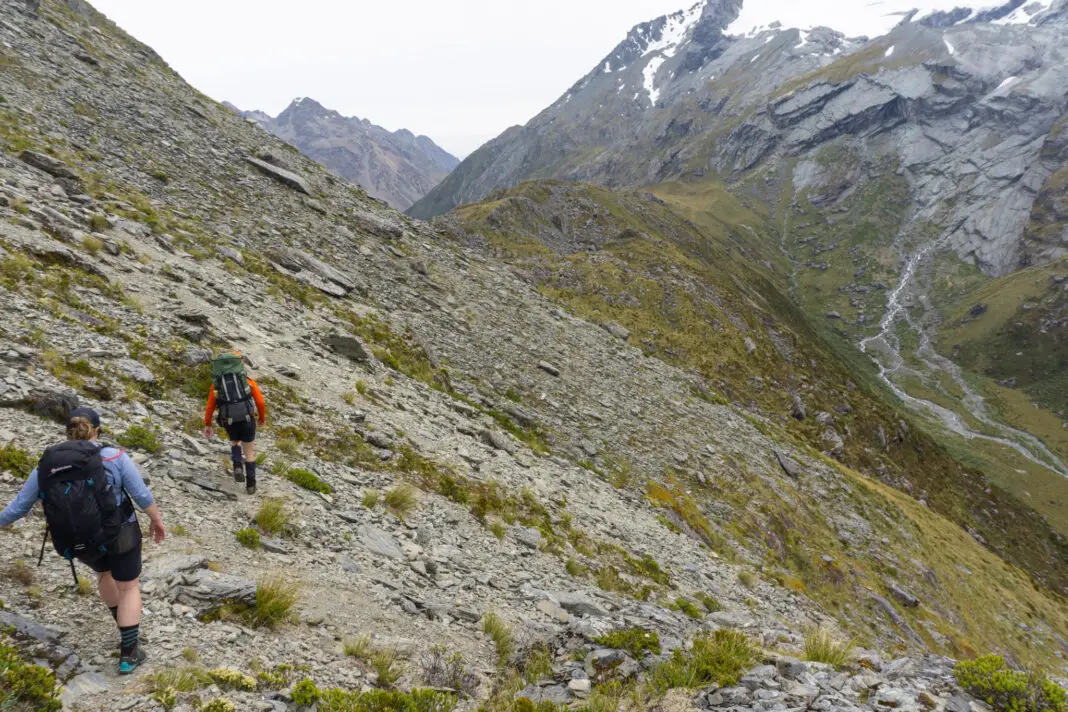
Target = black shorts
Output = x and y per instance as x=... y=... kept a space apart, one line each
x=241 y=432
x=126 y=566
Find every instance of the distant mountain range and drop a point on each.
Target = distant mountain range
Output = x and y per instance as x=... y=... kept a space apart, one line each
x=395 y=166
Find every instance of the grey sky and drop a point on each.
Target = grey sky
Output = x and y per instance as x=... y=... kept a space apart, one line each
x=460 y=72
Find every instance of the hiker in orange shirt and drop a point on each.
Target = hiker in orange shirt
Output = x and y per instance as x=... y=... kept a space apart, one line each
x=240 y=404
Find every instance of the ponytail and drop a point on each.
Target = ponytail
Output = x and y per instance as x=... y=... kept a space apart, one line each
x=80 y=429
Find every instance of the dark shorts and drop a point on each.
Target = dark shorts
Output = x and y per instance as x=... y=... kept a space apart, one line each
x=125 y=566
x=241 y=432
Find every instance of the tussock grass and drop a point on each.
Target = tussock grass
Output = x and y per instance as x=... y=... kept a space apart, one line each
x=402 y=500
x=822 y=647
x=248 y=538
x=273 y=518
x=720 y=659
x=501 y=634
x=370 y=498
x=276 y=596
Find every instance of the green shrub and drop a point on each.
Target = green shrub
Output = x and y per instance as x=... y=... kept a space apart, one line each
x=719 y=659
x=538 y=665
x=636 y=641
x=232 y=679
x=336 y=700
x=401 y=500
x=24 y=686
x=821 y=647
x=167 y=697
x=248 y=538
x=306 y=479
x=273 y=518
x=1007 y=690
x=747 y=579
x=139 y=437
x=92 y=245
x=358 y=647
x=711 y=605
x=305 y=693
x=370 y=498
x=98 y=223
x=687 y=607
x=384 y=663
x=219 y=704
x=17 y=461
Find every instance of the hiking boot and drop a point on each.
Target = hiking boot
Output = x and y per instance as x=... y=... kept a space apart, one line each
x=129 y=663
x=250 y=490
x=239 y=473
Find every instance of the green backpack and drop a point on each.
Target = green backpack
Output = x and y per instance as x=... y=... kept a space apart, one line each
x=232 y=392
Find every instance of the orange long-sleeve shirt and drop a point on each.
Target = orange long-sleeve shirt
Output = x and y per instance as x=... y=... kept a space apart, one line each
x=257 y=396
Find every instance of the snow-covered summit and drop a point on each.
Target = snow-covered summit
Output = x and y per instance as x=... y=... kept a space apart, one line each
x=873 y=18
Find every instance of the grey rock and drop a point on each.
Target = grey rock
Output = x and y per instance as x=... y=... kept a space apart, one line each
x=788 y=465
x=380 y=542
x=205 y=590
x=552 y=694
x=274 y=546
x=616 y=330
x=528 y=536
x=549 y=368
x=350 y=347
x=195 y=356
x=135 y=370
x=30 y=628
x=903 y=596
x=81 y=686
x=498 y=440
x=578 y=604
x=281 y=175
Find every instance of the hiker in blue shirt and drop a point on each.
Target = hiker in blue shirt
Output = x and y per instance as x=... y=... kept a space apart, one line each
x=119 y=570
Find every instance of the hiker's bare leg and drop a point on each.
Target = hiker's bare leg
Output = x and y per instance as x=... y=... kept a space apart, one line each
x=249 y=451
x=109 y=592
x=129 y=602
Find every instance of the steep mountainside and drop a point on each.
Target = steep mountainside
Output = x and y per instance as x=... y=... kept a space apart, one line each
x=461 y=455
x=896 y=173
x=395 y=166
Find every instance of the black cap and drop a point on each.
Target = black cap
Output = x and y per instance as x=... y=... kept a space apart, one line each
x=88 y=413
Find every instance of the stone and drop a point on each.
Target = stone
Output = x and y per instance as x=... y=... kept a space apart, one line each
x=903 y=596
x=135 y=370
x=50 y=165
x=498 y=440
x=195 y=355
x=274 y=546
x=580 y=688
x=350 y=347
x=788 y=465
x=205 y=590
x=380 y=542
x=552 y=694
x=81 y=686
x=30 y=628
x=554 y=611
x=528 y=536
x=791 y=668
x=549 y=368
x=578 y=604
x=616 y=330
x=287 y=178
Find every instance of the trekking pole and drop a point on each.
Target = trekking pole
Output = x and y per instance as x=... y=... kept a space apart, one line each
x=43 y=542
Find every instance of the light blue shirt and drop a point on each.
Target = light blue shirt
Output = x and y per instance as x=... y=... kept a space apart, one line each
x=122 y=475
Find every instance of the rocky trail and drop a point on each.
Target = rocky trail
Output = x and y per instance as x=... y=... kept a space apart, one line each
x=446 y=443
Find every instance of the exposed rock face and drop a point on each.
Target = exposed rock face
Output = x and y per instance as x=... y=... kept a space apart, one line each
x=397 y=167
x=972 y=108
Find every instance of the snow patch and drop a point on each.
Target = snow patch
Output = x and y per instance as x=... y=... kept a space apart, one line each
x=675 y=29
x=890 y=52
x=1005 y=84
x=754 y=59
x=650 y=78
x=804 y=39
x=608 y=67
x=857 y=18
x=949 y=45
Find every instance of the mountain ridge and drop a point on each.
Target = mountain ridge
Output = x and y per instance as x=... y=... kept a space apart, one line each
x=396 y=166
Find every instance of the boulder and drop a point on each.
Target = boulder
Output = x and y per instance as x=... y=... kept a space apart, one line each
x=311 y=271
x=30 y=628
x=577 y=603
x=205 y=590
x=380 y=542
x=350 y=347
x=135 y=370
x=287 y=178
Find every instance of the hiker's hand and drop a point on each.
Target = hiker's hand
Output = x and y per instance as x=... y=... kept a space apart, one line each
x=157 y=530
x=209 y=432
x=263 y=422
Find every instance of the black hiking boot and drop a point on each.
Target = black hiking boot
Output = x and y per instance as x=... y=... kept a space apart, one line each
x=128 y=663
x=251 y=489
x=239 y=473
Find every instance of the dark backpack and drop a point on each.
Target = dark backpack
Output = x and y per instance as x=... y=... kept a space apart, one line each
x=79 y=502
x=232 y=392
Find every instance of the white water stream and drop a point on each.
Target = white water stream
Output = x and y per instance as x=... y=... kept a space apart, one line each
x=889 y=360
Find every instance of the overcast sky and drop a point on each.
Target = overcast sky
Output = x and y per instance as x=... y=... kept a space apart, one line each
x=458 y=71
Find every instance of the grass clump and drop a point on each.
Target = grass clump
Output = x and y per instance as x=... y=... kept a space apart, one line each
x=358 y=647
x=822 y=647
x=98 y=223
x=501 y=634
x=188 y=678
x=140 y=437
x=711 y=605
x=306 y=479
x=441 y=669
x=370 y=498
x=1006 y=690
x=248 y=538
x=275 y=598
x=23 y=686
x=18 y=571
x=306 y=693
x=747 y=579
x=92 y=245
x=720 y=659
x=85 y=587
x=401 y=500
x=229 y=679
x=17 y=461
x=219 y=704
x=384 y=663
x=636 y=641
x=273 y=517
